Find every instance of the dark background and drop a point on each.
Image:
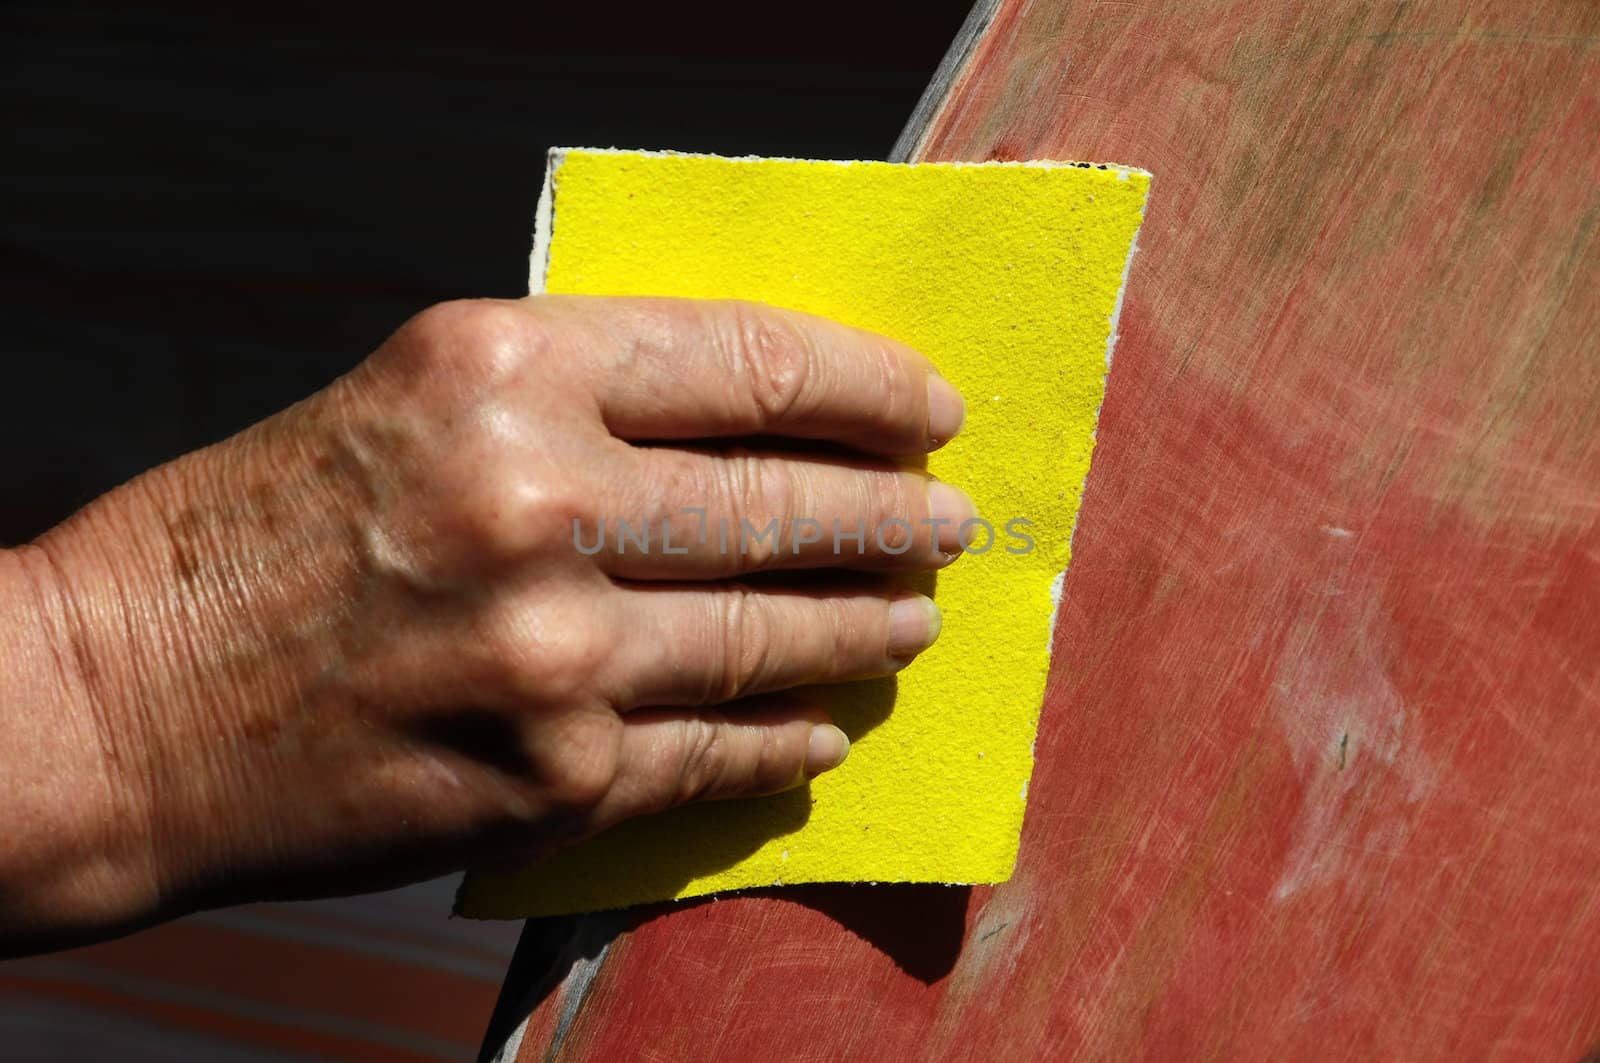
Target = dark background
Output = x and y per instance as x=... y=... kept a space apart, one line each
x=208 y=211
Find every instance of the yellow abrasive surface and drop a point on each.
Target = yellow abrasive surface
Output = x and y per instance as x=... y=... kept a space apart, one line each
x=1008 y=277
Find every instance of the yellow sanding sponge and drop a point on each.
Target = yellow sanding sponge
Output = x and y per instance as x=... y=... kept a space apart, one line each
x=1006 y=275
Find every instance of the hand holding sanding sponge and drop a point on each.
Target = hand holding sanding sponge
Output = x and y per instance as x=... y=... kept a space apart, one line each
x=1008 y=276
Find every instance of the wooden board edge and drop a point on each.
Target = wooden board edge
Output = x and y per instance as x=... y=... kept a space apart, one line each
x=950 y=68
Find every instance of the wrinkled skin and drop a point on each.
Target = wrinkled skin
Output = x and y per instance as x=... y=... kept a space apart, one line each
x=359 y=643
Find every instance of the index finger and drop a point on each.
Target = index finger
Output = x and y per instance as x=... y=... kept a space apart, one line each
x=699 y=369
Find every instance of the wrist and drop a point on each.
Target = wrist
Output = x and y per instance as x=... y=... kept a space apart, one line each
x=189 y=612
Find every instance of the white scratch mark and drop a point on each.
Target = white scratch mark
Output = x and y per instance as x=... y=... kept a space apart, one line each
x=1353 y=743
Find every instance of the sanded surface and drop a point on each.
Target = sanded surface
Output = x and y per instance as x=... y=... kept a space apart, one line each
x=1318 y=765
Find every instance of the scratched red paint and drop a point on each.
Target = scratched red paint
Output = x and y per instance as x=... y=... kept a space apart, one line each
x=1317 y=770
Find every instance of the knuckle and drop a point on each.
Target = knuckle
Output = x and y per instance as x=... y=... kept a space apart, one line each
x=773 y=765
x=894 y=533
x=704 y=757
x=584 y=764
x=888 y=498
x=902 y=386
x=569 y=661
x=482 y=342
x=541 y=657
x=776 y=360
x=542 y=512
x=760 y=496
x=745 y=641
x=845 y=636
x=503 y=511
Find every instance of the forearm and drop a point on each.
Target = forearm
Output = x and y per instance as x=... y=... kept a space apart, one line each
x=152 y=641
x=73 y=849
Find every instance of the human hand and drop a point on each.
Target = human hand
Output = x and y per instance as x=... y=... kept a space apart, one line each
x=378 y=640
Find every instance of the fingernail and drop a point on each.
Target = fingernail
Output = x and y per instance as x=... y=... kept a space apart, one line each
x=913 y=626
x=826 y=750
x=946 y=410
x=948 y=507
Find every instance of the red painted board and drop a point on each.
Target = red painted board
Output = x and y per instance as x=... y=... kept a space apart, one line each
x=1319 y=769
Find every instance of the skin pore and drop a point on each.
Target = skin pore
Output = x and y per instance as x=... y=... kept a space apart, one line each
x=357 y=645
